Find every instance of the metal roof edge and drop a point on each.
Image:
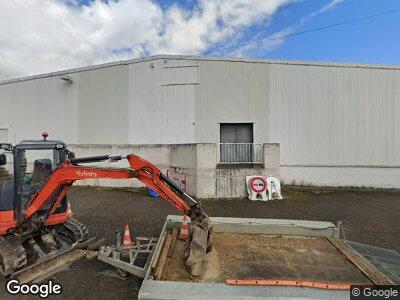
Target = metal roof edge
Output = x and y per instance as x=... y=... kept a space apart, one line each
x=202 y=58
x=289 y=62
x=82 y=69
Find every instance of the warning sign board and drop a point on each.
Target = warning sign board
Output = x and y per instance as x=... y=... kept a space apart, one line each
x=258 y=184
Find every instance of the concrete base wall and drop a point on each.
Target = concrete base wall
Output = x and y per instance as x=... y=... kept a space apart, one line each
x=231 y=180
x=204 y=178
x=231 y=183
x=206 y=170
x=183 y=158
x=198 y=162
x=207 y=179
x=342 y=176
x=157 y=154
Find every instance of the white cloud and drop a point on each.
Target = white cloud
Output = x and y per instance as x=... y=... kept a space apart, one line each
x=273 y=41
x=262 y=44
x=39 y=36
x=327 y=7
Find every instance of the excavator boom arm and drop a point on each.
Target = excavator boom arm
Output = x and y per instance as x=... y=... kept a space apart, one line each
x=69 y=172
x=152 y=177
x=57 y=185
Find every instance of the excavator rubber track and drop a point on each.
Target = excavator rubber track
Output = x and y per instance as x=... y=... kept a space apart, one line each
x=73 y=230
x=12 y=255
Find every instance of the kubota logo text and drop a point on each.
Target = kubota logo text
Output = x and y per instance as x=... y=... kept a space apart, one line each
x=86 y=173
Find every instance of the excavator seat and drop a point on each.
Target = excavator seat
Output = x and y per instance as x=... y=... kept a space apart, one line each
x=42 y=169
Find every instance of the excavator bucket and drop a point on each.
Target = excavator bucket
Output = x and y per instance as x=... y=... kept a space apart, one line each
x=199 y=242
x=197 y=246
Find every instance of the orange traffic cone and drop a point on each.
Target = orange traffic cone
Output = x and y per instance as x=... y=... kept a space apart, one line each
x=184 y=228
x=69 y=211
x=127 y=242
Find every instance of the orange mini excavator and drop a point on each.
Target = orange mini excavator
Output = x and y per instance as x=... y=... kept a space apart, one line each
x=34 y=217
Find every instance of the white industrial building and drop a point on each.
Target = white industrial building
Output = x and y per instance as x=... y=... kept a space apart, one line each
x=337 y=124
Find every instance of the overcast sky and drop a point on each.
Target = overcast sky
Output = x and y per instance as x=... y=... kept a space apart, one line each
x=38 y=36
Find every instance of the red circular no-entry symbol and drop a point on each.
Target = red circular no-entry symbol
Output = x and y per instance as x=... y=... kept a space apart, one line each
x=258 y=184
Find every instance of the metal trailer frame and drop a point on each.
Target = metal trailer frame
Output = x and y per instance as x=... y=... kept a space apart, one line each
x=112 y=255
x=153 y=289
x=379 y=264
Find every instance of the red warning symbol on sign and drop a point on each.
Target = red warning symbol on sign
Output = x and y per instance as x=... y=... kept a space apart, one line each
x=258 y=184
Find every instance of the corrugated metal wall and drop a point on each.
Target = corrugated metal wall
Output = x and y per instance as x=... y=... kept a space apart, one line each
x=321 y=115
x=231 y=92
x=103 y=106
x=141 y=103
x=335 y=116
x=30 y=107
x=161 y=103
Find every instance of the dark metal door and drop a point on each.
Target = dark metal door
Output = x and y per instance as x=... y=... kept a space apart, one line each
x=236 y=142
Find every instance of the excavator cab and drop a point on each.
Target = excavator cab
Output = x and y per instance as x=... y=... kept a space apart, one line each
x=33 y=162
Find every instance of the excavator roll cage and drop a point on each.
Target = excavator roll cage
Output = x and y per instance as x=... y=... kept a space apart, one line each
x=18 y=191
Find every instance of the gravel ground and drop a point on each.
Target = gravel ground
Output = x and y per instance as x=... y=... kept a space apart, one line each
x=369 y=216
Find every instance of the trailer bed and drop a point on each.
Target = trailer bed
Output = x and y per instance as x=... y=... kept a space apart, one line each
x=258 y=256
x=264 y=258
